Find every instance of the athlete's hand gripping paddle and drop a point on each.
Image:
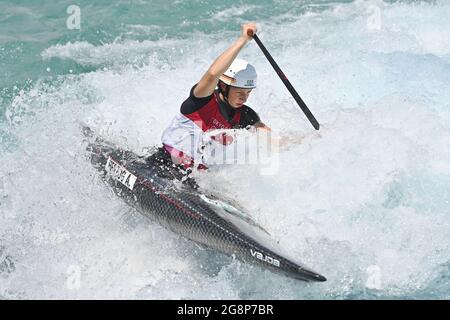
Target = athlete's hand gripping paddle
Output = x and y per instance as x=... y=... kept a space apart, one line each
x=286 y=82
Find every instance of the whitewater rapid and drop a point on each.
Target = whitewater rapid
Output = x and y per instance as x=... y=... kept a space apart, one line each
x=364 y=200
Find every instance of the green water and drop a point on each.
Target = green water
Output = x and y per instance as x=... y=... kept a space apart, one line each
x=368 y=193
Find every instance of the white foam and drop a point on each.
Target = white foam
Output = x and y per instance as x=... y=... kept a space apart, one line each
x=128 y=52
x=233 y=12
x=364 y=197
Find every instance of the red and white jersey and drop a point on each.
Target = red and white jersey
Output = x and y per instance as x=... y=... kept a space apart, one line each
x=186 y=135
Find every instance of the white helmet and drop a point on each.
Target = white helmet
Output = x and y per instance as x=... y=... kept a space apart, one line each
x=240 y=74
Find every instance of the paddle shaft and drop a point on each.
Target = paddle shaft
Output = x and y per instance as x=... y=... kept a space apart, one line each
x=288 y=84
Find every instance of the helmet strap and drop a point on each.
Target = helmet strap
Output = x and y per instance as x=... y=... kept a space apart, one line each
x=226 y=92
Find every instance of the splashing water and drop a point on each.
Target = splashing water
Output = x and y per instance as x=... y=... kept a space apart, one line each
x=364 y=200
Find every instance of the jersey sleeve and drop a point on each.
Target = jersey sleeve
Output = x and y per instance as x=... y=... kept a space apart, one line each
x=193 y=104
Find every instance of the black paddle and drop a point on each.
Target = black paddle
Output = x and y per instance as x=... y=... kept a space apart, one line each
x=286 y=82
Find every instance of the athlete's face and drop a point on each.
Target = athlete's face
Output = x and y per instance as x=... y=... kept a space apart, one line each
x=238 y=96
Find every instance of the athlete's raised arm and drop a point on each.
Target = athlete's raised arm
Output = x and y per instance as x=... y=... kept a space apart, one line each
x=208 y=82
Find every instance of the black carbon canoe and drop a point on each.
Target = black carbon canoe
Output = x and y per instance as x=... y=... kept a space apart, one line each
x=186 y=211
